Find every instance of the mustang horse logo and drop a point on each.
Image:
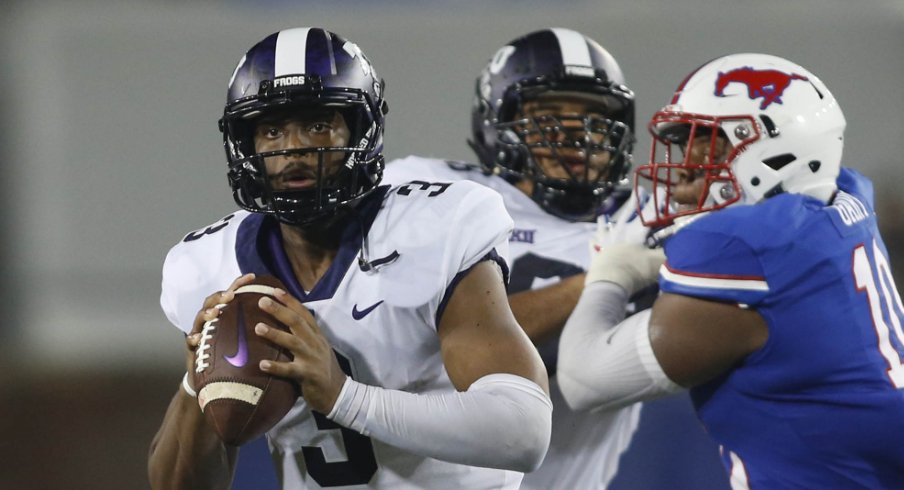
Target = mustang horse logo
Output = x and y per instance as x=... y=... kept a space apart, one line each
x=768 y=84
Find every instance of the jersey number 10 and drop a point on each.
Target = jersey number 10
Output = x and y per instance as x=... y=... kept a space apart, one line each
x=864 y=276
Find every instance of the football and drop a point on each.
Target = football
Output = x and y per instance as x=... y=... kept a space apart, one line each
x=240 y=401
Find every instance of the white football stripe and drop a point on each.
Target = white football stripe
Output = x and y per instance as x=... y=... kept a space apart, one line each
x=229 y=390
x=256 y=288
x=291 y=52
x=712 y=282
x=574 y=47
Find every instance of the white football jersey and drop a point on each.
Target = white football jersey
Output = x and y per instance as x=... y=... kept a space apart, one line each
x=543 y=249
x=382 y=323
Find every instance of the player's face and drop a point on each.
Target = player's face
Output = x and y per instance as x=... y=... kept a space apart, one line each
x=691 y=185
x=561 y=119
x=300 y=130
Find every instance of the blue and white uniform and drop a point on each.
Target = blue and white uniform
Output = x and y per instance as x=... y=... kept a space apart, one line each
x=585 y=448
x=382 y=324
x=821 y=404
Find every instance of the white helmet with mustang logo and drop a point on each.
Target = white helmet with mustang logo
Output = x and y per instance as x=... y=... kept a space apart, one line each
x=784 y=126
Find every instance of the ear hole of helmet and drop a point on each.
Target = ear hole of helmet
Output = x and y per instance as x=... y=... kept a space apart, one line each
x=779 y=161
x=771 y=130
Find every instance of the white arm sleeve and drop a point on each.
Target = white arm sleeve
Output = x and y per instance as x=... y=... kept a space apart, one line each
x=501 y=421
x=606 y=362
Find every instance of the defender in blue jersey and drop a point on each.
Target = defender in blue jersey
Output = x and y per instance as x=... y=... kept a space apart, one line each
x=779 y=312
x=412 y=370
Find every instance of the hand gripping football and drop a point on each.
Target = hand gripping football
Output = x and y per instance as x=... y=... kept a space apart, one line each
x=240 y=401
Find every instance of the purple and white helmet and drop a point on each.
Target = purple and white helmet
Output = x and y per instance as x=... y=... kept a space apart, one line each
x=302 y=69
x=554 y=60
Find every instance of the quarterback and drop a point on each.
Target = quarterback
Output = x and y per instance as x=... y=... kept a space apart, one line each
x=413 y=371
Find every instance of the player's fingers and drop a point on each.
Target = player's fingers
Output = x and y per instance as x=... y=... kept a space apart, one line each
x=223 y=297
x=241 y=281
x=293 y=304
x=300 y=321
x=210 y=309
x=281 y=338
x=192 y=341
x=291 y=370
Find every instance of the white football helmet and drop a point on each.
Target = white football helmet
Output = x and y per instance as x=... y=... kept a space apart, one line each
x=785 y=129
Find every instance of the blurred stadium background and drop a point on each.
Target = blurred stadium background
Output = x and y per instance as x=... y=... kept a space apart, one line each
x=111 y=154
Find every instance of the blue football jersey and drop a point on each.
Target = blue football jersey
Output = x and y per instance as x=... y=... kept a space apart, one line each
x=821 y=404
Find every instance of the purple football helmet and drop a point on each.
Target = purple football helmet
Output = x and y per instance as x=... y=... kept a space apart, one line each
x=298 y=70
x=507 y=141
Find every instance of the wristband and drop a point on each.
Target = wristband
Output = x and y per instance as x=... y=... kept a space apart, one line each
x=187 y=387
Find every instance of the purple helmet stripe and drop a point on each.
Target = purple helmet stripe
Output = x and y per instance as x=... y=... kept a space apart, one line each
x=320 y=56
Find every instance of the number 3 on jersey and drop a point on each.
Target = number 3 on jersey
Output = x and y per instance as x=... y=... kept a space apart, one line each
x=361 y=463
x=865 y=274
x=210 y=230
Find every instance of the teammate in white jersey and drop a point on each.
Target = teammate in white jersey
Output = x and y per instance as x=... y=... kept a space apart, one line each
x=552 y=128
x=414 y=372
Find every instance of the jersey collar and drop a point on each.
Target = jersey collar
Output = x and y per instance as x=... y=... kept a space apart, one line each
x=259 y=249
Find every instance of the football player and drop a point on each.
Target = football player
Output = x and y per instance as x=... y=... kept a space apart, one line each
x=413 y=371
x=778 y=309
x=552 y=123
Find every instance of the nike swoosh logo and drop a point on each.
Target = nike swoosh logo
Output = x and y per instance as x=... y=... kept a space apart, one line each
x=240 y=358
x=357 y=315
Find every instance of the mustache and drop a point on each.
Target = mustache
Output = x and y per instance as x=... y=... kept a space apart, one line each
x=330 y=177
x=295 y=171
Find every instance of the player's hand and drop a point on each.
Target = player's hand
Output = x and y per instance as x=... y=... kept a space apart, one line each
x=618 y=250
x=625 y=225
x=631 y=266
x=209 y=311
x=314 y=365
